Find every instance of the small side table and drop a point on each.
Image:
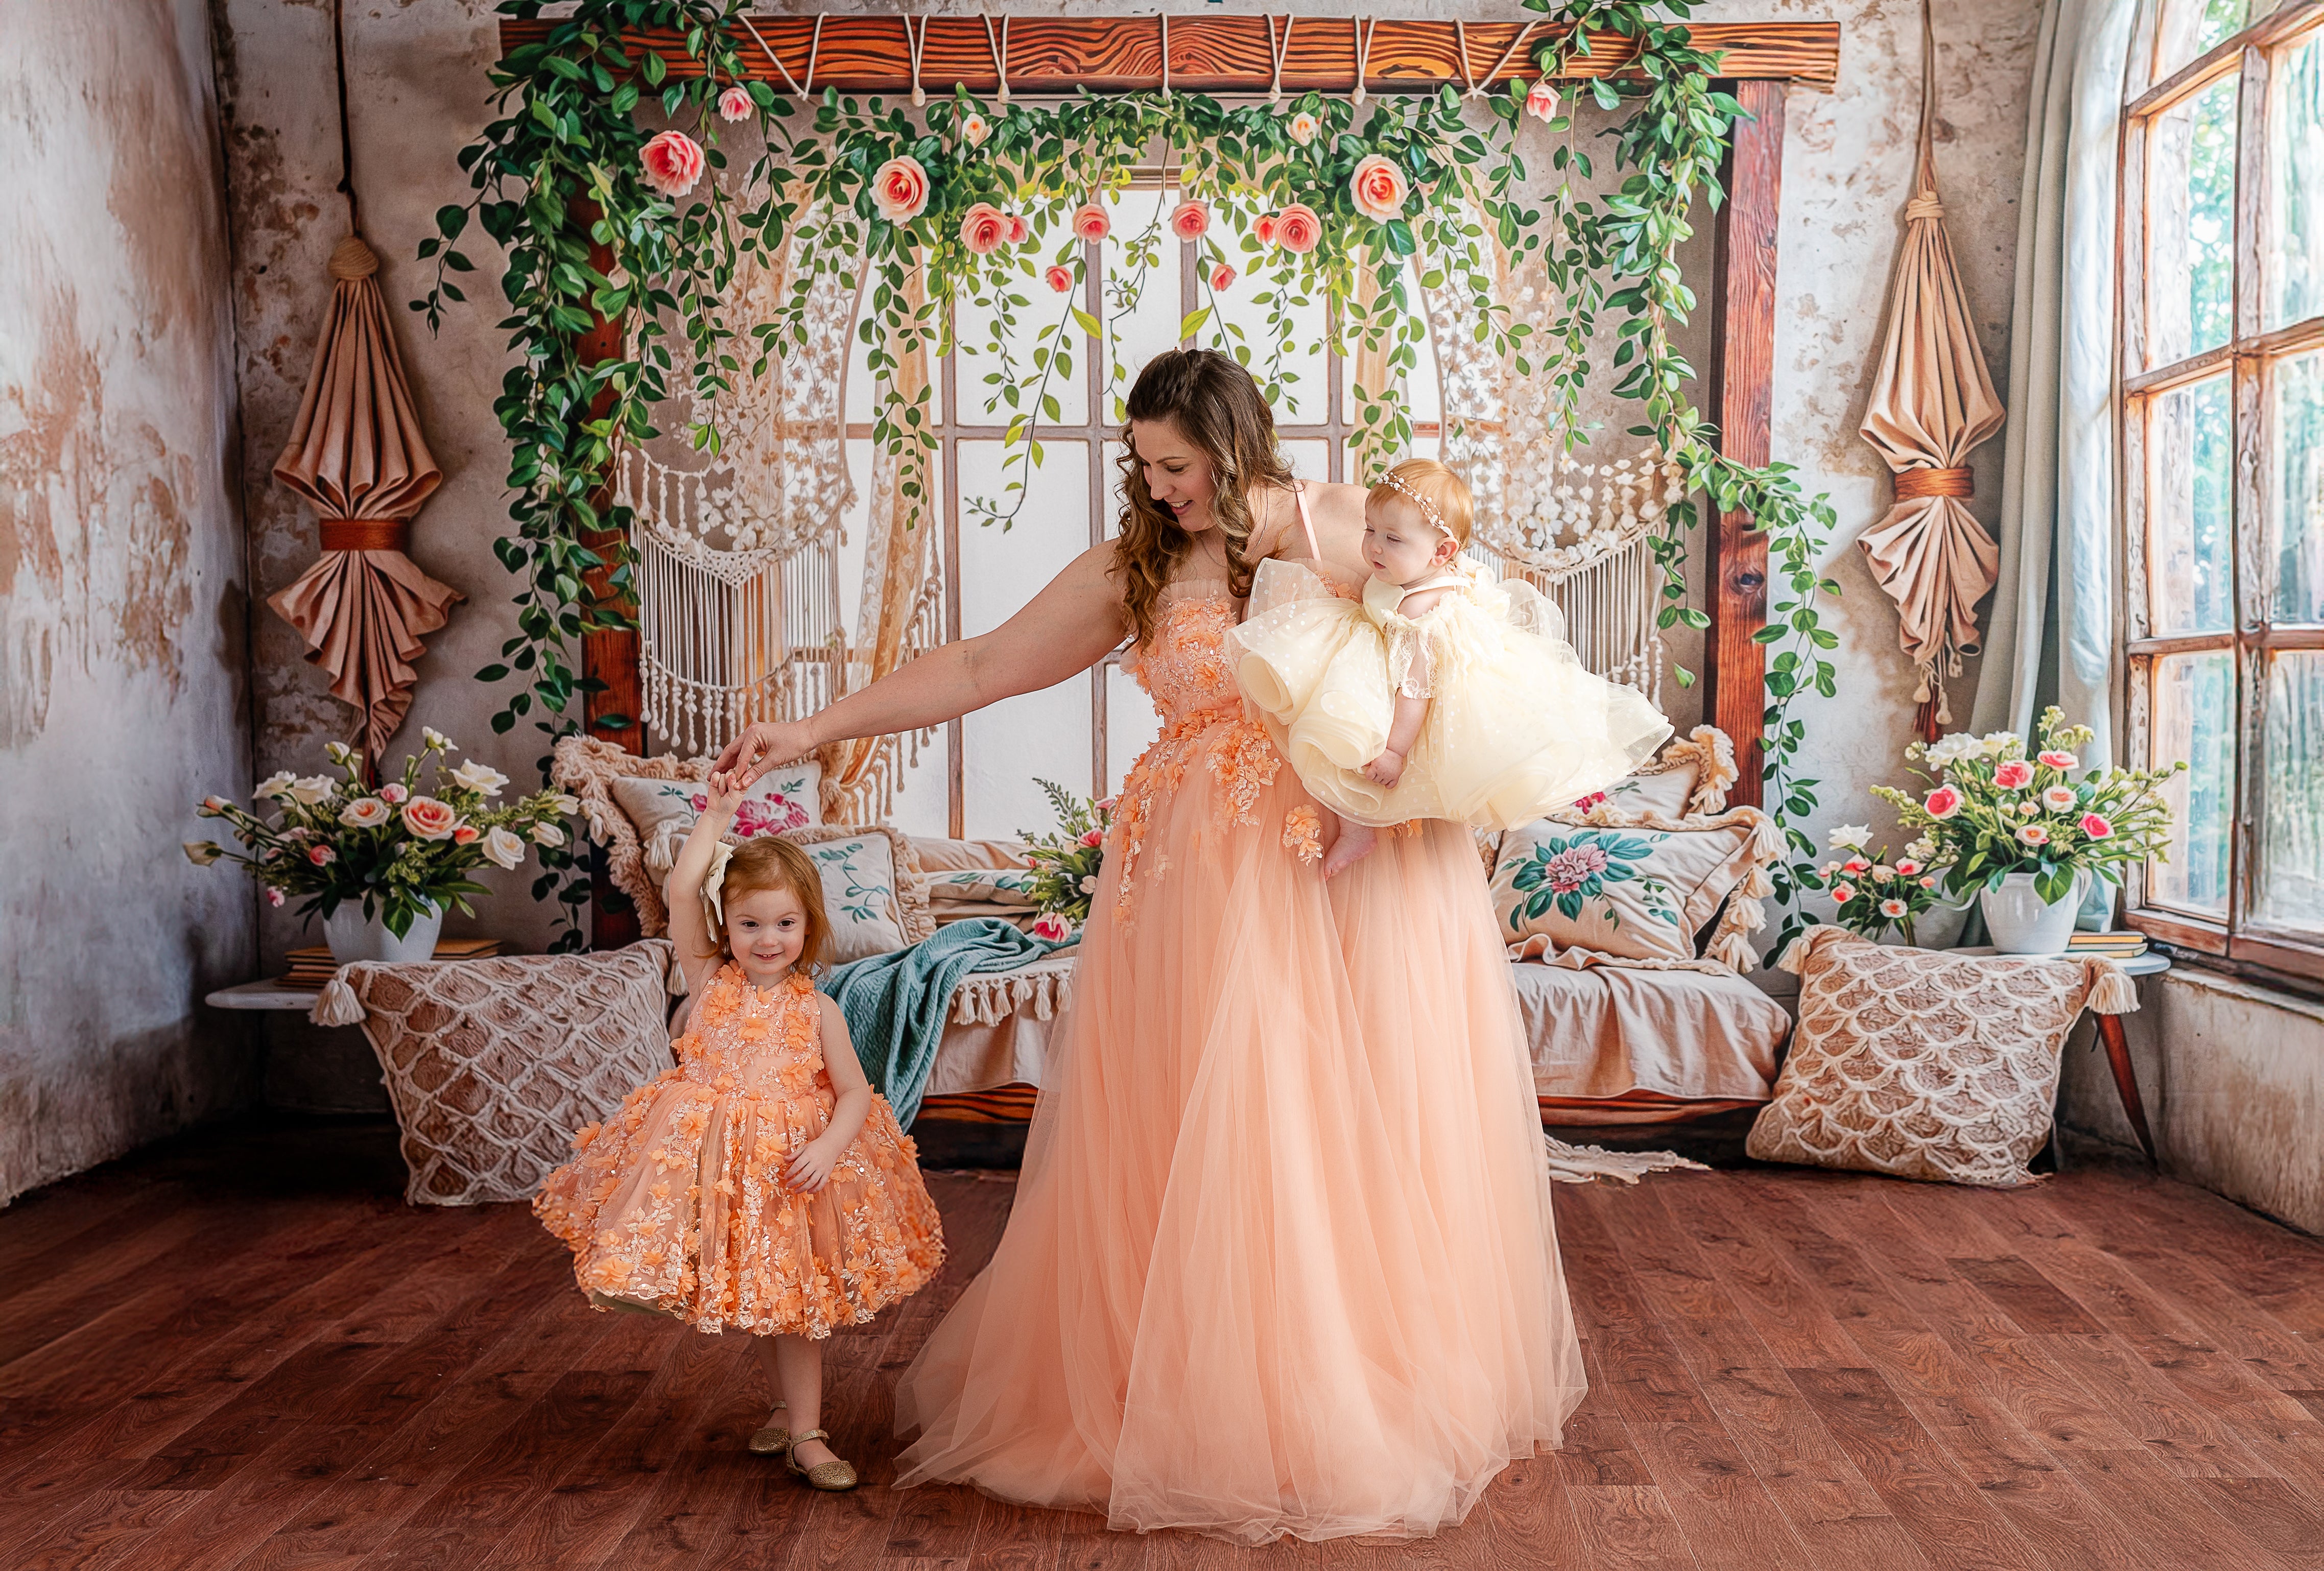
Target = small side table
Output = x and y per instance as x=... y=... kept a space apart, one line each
x=2117 y=1049
x=267 y=993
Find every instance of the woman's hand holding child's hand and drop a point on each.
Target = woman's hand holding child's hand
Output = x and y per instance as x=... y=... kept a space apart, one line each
x=811 y=1168
x=726 y=789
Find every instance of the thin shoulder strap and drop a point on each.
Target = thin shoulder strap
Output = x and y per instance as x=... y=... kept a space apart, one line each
x=1306 y=524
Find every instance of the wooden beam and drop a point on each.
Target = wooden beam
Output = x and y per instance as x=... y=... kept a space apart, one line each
x=1742 y=405
x=1207 y=55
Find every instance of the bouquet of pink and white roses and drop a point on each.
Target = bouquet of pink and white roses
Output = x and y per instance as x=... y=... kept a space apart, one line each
x=1875 y=891
x=1992 y=811
x=1065 y=863
x=400 y=850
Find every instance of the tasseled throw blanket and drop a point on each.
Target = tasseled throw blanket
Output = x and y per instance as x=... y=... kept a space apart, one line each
x=896 y=1004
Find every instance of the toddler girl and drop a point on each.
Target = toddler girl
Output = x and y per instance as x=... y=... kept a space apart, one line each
x=761 y=1184
x=1439 y=694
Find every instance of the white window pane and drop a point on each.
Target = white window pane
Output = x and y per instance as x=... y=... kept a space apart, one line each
x=1017 y=316
x=2292 y=837
x=864 y=390
x=2189 y=511
x=1309 y=459
x=1274 y=327
x=2296 y=516
x=2194 y=718
x=2191 y=172
x=1007 y=748
x=2186 y=29
x=2296 y=151
x=1143 y=307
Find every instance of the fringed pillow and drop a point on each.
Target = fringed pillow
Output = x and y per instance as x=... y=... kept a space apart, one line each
x=493 y=1065
x=979 y=872
x=1637 y=886
x=1926 y=1065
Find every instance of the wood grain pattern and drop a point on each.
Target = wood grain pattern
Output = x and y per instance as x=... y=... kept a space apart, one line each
x=1789 y=1370
x=1207 y=55
x=1742 y=405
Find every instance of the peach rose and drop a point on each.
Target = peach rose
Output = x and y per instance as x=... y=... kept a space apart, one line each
x=1297 y=228
x=2034 y=834
x=734 y=103
x=2014 y=775
x=1379 y=188
x=392 y=792
x=900 y=189
x=1843 y=892
x=321 y=855
x=430 y=820
x=1058 y=279
x=974 y=129
x=2058 y=799
x=366 y=813
x=1302 y=127
x=1090 y=223
x=1018 y=229
x=2058 y=759
x=1190 y=220
x=1264 y=229
x=983 y=228
x=1222 y=278
x=1541 y=101
x=465 y=834
x=673 y=162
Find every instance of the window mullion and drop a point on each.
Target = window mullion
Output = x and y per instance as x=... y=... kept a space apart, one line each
x=2249 y=491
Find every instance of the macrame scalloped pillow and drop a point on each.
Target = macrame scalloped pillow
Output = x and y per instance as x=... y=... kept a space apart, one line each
x=1637 y=887
x=1926 y=1065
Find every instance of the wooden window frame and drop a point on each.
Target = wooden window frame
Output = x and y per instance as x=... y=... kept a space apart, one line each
x=2246 y=361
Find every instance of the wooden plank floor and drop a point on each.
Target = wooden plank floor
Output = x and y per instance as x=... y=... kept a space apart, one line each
x=240 y=1350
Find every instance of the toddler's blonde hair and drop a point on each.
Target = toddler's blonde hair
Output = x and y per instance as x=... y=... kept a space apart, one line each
x=1437 y=485
x=771 y=862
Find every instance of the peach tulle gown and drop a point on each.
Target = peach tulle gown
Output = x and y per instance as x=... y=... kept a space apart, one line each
x=1281 y=1260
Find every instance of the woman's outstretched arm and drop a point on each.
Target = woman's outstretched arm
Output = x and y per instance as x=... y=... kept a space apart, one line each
x=1073 y=623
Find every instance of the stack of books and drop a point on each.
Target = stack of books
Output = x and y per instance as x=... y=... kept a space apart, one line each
x=2123 y=946
x=310 y=968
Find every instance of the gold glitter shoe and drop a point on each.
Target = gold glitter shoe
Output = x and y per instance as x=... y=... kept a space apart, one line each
x=835 y=1476
x=770 y=1439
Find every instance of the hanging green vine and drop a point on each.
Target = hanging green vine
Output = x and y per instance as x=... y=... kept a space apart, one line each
x=1318 y=201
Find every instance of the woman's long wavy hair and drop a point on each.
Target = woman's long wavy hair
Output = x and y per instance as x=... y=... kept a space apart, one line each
x=1219 y=409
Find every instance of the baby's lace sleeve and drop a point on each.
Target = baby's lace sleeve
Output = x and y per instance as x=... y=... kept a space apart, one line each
x=1408 y=665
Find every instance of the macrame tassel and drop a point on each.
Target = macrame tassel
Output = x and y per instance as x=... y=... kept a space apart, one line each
x=336 y=1005
x=2112 y=991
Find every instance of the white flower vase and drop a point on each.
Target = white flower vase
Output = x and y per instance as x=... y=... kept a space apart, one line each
x=353 y=936
x=2020 y=923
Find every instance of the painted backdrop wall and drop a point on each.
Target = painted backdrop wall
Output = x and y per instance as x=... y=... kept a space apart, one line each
x=123 y=598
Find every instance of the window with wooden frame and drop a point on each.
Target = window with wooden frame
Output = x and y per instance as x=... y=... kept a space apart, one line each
x=2222 y=319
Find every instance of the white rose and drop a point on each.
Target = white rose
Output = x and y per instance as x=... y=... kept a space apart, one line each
x=547 y=834
x=481 y=778
x=366 y=813
x=503 y=848
x=1997 y=742
x=434 y=740
x=565 y=804
x=1089 y=884
x=307 y=792
x=338 y=752
x=1850 y=837
x=275 y=786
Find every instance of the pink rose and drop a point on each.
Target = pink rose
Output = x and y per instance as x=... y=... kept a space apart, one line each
x=2014 y=776
x=465 y=835
x=1222 y=278
x=2096 y=827
x=1053 y=926
x=273 y=896
x=429 y=818
x=1303 y=127
x=1907 y=867
x=1928 y=883
x=1853 y=864
x=1058 y=279
x=1895 y=909
x=673 y=162
x=1264 y=229
x=1571 y=868
x=983 y=228
x=1943 y=802
x=900 y=189
x=1017 y=228
x=392 y=792
x=2034 y=834
x=2058 y=799
x=1297 y=228
x=975 y=129
x=321 y=855
x=1090 y=224
x=1589 y=801
x=1541 y=103
x=2058 y=759
x=1378 y=188
x=734 y=103
x=1843 y=892
x=1190 y=220
x=1092 y=837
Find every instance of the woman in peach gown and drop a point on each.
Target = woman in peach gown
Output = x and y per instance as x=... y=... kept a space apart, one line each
x=1281 y=1259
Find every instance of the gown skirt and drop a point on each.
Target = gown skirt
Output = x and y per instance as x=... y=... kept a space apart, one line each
x=1281 y=1259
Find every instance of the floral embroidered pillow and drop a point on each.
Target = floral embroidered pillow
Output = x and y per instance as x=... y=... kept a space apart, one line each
x=780 y=800
x=873 y=891
x=976 y=872
x=1632 y=893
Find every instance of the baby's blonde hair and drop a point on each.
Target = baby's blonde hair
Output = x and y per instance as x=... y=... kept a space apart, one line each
x=771 y=862
x=1434 y=484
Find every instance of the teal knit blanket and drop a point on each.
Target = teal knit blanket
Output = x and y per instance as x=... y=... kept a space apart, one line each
x=896 y=1004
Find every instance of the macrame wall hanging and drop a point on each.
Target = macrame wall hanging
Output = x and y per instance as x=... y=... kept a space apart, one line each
x=1580 y=532
x=737 y=545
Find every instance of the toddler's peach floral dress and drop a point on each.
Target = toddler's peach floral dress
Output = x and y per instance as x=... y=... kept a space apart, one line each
x=677 y=1204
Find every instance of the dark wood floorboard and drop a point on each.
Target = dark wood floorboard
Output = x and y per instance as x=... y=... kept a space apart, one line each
x=240 y=1351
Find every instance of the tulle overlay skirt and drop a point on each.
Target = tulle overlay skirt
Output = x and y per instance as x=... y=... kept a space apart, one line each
x=677 y=1204
x=1281 y=1260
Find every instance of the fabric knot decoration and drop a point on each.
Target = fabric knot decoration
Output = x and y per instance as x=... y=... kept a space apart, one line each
x=352 y=259
x=365 y=534
x=1922 y=482
x=1923 y=205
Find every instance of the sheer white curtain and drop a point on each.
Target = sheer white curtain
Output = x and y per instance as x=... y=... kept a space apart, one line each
x=2053 y=628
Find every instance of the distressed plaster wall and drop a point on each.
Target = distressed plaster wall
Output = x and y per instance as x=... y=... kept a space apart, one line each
x=123 y=602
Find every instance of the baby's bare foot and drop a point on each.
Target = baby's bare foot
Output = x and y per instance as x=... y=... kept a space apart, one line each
x=1355 y=842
